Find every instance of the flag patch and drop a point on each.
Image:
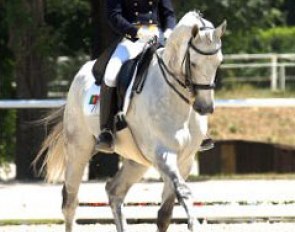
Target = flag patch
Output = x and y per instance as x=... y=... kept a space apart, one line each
x=94 y=99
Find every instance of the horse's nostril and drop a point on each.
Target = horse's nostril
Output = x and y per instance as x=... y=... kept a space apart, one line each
x=203 y=109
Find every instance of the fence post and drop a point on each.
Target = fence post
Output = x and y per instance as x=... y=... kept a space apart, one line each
x=282 y=77
x=274 y=74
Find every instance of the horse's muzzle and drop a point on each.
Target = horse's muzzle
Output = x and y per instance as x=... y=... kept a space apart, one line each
x=203 y=108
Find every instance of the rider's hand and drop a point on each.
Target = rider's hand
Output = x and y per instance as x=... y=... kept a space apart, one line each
x=147 y=33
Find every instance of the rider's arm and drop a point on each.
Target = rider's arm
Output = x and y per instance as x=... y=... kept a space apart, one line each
x=117 y=21
x=166 y=14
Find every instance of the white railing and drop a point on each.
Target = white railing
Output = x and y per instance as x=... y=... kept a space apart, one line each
x=30 y=104
x=263 y=102
x=277 y=63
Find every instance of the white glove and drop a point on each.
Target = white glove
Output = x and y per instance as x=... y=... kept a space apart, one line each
x=147 y=33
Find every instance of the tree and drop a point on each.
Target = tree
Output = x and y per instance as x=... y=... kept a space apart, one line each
x=7 y=117
x=244 y=19
x=289 y=8
x=28 y=40
x=70 y=26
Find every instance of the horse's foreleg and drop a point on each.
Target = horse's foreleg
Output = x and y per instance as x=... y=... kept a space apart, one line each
x=118 y=187
x=168 y=166
x=78 y=159
x=165 y=212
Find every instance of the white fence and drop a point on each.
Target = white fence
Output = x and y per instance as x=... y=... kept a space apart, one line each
x=28 y=104
x=263 y=102
x=277 y=63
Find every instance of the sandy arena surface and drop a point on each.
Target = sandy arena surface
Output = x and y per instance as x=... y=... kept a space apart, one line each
x=253 y=227
x=246 y=200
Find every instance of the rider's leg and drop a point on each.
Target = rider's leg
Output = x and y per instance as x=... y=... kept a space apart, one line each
x=108 y=103
x=108 y=109
x=125 y=50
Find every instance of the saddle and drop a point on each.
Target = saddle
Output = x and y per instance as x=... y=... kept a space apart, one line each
x=139 y=64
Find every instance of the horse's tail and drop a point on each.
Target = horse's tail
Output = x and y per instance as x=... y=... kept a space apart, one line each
x=53 y=148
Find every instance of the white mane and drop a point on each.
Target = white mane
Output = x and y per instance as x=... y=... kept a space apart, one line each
x=193 y=18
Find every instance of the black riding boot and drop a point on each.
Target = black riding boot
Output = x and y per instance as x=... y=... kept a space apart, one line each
x=105 y=141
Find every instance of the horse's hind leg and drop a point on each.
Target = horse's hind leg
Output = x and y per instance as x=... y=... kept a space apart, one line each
x=118 y=187
x=78 y=159
x=168 y=166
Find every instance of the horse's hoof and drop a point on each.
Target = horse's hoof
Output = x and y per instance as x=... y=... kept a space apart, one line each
x=206 y=145
x=192 y=225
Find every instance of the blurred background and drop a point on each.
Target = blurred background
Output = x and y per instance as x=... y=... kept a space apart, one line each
x=44 y=42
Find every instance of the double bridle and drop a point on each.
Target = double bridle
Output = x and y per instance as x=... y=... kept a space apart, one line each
x=188 y=80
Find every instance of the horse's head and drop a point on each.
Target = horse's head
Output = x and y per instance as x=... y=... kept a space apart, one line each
x=193 y=54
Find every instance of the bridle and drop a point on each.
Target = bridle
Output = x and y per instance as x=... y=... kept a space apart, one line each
x=188 y=80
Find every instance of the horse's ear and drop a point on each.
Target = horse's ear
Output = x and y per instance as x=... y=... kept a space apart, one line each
x=195 y=31
x=219 y=31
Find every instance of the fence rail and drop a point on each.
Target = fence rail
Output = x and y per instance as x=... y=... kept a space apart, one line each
x=277 y=63
x=251 y=102
x=28 y=104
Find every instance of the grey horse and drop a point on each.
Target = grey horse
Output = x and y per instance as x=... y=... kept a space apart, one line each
x=166 y=123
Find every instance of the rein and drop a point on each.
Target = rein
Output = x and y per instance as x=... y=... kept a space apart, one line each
x=164 y=68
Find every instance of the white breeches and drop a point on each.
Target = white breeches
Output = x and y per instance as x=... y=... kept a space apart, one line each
x=125 y=50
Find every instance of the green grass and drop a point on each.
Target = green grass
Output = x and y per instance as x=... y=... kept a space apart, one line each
x=13 y=222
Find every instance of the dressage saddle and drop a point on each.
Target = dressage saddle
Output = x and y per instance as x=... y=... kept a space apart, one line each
x=141 y=62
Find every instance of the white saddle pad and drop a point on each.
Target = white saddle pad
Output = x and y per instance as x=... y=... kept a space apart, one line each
x=91 y=101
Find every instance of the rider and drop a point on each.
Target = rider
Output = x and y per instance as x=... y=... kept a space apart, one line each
x=137 y=21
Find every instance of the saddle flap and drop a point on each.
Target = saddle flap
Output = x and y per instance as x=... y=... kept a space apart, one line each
x=139 y=64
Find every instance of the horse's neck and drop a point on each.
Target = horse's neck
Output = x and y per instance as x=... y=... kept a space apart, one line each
x=176 y=88
x=161 y=89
